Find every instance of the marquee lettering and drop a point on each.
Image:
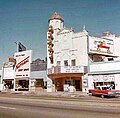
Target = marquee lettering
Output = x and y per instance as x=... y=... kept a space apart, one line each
x=22 y=63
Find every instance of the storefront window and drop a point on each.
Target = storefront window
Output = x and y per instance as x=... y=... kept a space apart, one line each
x=70 y=82
x=39 y=83
x=8 y=84
x=23 y=83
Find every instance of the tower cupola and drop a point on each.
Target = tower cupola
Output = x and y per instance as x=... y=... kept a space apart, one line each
x=56 y=16
x=56 y=21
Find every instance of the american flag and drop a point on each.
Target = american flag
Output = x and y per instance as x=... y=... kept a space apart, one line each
x=21 y=47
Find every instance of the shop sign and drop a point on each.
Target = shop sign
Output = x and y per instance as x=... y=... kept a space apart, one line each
x=100 y=45
x=85 y=83
x=66 y=69
x=23 y=61
x=104 y=78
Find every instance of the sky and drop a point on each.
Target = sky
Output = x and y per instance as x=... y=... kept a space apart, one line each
x=26 y=21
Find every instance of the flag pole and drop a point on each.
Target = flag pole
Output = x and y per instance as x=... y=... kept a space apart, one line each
x=17 y=46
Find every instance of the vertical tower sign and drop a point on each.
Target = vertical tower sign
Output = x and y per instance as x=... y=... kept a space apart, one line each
x=50 y=44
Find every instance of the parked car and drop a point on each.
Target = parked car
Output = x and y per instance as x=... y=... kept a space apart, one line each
x=103 y=91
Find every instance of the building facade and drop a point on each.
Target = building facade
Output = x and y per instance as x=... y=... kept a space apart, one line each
x=22 y=74
x=104 y=62
x=38 y=76
x=7 y=76
x=22 y=70
x=75 y=61
x=69 y=57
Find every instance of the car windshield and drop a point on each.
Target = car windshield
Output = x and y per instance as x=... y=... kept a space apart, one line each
x=105 y=88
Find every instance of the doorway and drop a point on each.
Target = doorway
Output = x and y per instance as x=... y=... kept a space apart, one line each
x=77 y=85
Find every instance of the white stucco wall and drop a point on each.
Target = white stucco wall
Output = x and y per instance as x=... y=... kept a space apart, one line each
x=69 y=45
x=56 y=23
x=117 y=46
x=90 y=82
x=117 y=81
x=0 y=76
x=38 y=75
x=8 y=73
x=81 y=47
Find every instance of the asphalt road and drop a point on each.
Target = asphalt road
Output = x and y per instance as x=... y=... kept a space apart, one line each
x=44 y=107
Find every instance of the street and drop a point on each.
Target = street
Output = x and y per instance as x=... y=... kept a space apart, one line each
x=52 y=107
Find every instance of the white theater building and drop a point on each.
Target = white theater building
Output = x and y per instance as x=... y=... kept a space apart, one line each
x=77 y=61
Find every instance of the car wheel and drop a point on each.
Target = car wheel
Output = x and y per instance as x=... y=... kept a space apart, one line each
x=102 y=96
x=90 y=94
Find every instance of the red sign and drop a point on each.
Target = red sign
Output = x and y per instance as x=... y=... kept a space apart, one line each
x=22 y=63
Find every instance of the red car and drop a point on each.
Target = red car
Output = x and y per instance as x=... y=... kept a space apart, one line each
x=104 y=91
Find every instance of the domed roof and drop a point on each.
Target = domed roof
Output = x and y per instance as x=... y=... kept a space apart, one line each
x=56 y=16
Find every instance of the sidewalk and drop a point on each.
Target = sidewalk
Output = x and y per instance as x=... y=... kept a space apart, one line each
x=57 y=94
x=62 y=94
x=52 y=94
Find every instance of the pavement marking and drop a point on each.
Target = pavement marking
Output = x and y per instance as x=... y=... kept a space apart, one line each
x=4 y=107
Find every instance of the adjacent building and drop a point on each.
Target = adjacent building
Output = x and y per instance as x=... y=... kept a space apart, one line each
x=104 y=61
x=22 y=74
x=7 y=76
x=38 y=76
x=22 y=69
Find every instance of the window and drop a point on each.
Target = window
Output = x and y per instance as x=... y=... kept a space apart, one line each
x=73 y=62
x=66 y=63
x=58 y=63
x=110 y=59
x=70 y=82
